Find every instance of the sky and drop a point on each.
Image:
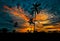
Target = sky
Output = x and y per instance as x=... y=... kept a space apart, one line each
x=52 y=6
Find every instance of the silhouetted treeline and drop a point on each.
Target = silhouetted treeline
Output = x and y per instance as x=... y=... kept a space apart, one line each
x=5 y=30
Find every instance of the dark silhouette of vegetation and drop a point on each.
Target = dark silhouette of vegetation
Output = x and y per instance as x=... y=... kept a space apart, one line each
x=0 y=31
x=14 y=31
x=34 y=9
x=4 y=30
x=18 y=5
x=31 y=21
x=15 y=24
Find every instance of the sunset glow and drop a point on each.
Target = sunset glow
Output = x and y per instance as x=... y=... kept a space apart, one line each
x=41 y=19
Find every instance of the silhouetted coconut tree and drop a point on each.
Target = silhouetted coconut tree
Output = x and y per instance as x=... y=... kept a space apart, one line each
x=35 y=7
x=35 y=10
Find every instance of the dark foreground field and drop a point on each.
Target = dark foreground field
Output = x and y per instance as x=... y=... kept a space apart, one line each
x=29 y=36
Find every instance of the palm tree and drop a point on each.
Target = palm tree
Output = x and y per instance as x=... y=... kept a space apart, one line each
x=35 y=7
x=35 y=10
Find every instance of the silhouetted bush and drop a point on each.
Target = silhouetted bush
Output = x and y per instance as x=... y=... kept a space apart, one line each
x=14 y=31
x=4 y=30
